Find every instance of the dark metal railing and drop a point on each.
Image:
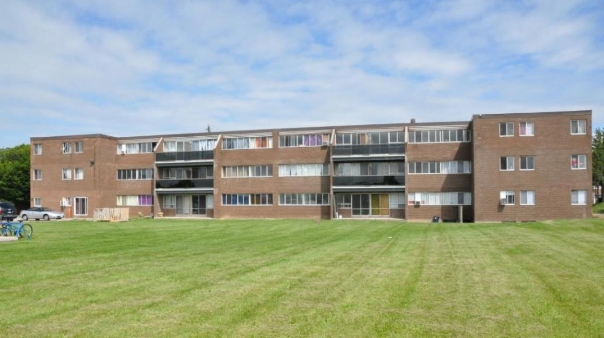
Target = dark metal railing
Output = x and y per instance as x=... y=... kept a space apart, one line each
x=185 y=156
x=368 y=149
x=185 y=183
x=369 y=180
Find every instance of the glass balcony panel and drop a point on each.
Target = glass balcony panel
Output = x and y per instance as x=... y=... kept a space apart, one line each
x=369 y=180
x=185 y=156
x=177 y=184
x=369 y=149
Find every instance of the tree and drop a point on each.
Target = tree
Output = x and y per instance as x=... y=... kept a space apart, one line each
x=14 y=175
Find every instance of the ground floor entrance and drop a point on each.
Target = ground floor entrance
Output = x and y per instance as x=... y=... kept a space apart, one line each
x=374 y=204
x=193 y=204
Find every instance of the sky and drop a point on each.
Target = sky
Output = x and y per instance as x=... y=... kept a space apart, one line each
x=134 y=68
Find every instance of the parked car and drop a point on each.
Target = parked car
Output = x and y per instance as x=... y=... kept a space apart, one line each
x=38 y=213
x=8 y=212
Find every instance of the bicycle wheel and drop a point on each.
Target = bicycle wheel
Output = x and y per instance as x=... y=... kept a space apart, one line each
x=6 y=231
x=26 y=231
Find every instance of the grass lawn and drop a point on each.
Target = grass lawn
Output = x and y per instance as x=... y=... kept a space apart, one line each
x=296 y=278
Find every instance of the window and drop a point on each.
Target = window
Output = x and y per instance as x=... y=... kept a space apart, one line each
x=578 y=162
x=37 y=201
x=370 y=169
x=135 y=174
x=65 y=202
x=506 y=129
x=248 y=142
x=439 y=136
x=397 y=200
x=447 y=167
x=248 y=171
x=169 y=201
x=37 y=174
x=506 y=163
x=507 y=198
x=37 y=149
x=135 y=148
x=135 y=200
x=304 y=199
x=79 y=147
x=186 y=173
x=527 y=162
x=247 y=199
x=78 y=174
x=81 y=206
x=382 y=137
x=578 y=197
x=66 y=174
x=194 y=145
x=577 y=127
x=527 y=129
x=307 y=140
x=527 y=197
x=66 y=147
x=319 y=169
x=440 y=198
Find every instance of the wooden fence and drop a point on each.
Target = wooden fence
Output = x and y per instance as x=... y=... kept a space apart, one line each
x=112 y=214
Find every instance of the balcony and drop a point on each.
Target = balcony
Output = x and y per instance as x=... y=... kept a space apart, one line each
x=369 y=180
x=206 y=183
x=185 y=156
x=395 y=149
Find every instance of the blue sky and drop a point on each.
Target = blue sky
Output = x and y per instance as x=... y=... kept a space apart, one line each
x=129 y=68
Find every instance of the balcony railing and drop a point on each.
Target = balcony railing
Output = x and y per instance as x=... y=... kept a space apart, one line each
x=368 y=180
x=184 y=183
x=368 y=149
x=199 y=155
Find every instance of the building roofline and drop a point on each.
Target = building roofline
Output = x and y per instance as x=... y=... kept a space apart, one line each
x=530 y=114
x=41 y=138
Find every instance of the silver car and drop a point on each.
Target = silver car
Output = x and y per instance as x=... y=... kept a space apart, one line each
x=38 y=213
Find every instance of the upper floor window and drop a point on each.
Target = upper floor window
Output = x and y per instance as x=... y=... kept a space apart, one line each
x=189 y=145
x=66 y=174
x=506 y=129
x=527 y=162
x=37 y=149
x=578 y=197
x=578 y=127
x=135 y=148
x=507 y=198
x=439 y=136
x=37 y=174
x=578 y=162
x=134 y=174
x=527 y=197
x=186 y=173
x=369 y=169
x=66 y=147
x=506 y=163
x=248 y=171
x=248 y=142
x=527 y=129
x=319 y=169
x=79 y=147
x=306 y=140
x=377 y=137
x=446 y=167
x=78 y=174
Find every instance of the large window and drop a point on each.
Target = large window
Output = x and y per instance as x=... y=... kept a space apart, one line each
x=447 y=167
x=37 y=174
x=135 y=148
x=318 y=169
x=66 y=147
x=578 y=127
x=506 y=163
x=169 y=202
x=440 y=198
x=78 y=174
x=37 y=149
x=247 y=199
x=527 y=162
x=439 y=136
x=81 y=206
x=186 y=173
x=135 y=174
x=189 y=145
x=578 y=197
x=37 y=201
x=66 y=174
x=506 y=129
x=527 y=197
x=507 y=198
x=134 y=200
x=79 y=147
x=248 y=142
x=578 y=162
x=370 y=169
x=381 y=137
x=527 y=129
x=306 y=140
x=248 y=171
x=304 y=199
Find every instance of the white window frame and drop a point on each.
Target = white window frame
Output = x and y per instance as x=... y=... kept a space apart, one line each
x=304 y=199
x=37 y=174
x=527 y=197
x=508 y=126
x=507 y=159
x=440 y=198
x=580 y=160
x=579 y=125
x=65 y=202
x=509 y=197
x=78 y=147
x=78 y=174
x=77 y=201
x=578 y=197
x=66 y=148
x=37 y=148
x=169 y=202
x=297 y=170
x=37 y=201
x=67 y=174
x=527 y=131
x=526 y=157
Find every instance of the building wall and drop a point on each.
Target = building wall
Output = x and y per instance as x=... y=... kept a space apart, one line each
x=552 y=180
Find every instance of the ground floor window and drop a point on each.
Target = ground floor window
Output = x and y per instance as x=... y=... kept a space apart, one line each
x=507 y=198
x=81 y=206
x=527 y=197
x=370 y=204
x=304 y=199
x=247 y=199
x=134 y=200
x=37 y=201
x=578 y=197
x=440 y=198
x=189 y=204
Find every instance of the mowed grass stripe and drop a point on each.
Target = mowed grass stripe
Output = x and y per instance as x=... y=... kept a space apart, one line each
x=296 y=278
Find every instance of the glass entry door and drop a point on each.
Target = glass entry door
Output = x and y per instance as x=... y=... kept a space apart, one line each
x=371 y=205
x=199 y=204
x=191 y=205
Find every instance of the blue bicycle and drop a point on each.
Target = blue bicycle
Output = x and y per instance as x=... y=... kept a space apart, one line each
x=17 y=229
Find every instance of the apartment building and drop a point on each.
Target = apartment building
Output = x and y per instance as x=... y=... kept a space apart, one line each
x=497 y=167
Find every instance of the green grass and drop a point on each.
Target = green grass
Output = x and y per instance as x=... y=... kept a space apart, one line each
x=296 y=278
x=598 y=208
